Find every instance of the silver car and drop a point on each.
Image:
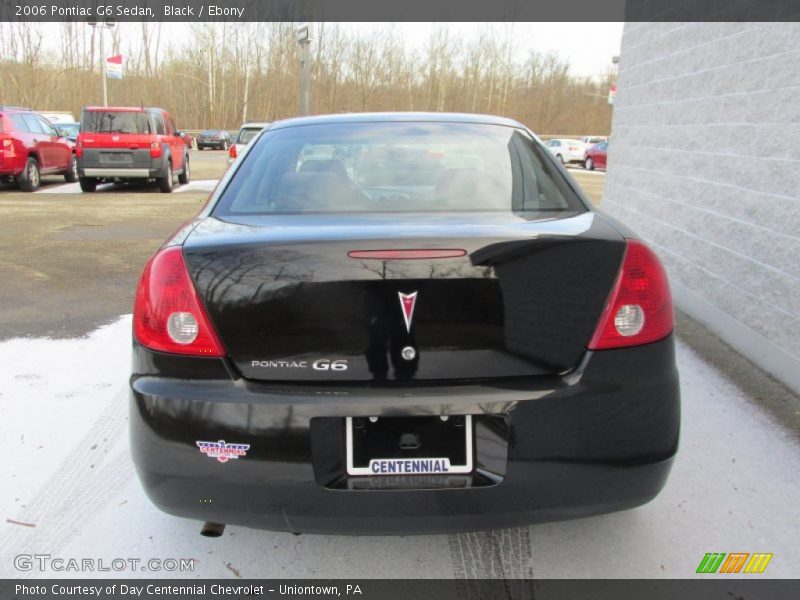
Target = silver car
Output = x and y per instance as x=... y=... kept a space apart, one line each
x=246 y=133
x=566 y=150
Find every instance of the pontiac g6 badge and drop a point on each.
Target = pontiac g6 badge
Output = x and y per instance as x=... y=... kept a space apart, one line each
x=222 y=451
x=407 y=302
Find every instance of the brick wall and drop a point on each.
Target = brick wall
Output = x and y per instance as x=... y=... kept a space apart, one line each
x=704 y=163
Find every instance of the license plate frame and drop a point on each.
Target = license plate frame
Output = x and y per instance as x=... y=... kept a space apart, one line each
x=457 y=469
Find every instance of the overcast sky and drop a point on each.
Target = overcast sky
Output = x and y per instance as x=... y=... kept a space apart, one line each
x=587 y=46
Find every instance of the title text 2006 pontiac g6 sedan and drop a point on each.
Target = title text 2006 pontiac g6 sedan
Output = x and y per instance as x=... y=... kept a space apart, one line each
x=397 y=323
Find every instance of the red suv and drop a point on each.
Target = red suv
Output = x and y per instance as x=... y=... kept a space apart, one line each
x=31 y=147
x=125 y=144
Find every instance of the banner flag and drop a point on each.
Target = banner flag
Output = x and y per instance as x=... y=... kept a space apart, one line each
x=114 y=67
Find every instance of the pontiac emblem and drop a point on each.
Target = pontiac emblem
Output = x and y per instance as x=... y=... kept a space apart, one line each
x=407 y=302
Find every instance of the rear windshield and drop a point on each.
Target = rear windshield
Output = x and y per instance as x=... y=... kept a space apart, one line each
x=110 y=121
x=68 y=129
x=247 y=134
x=396 y=166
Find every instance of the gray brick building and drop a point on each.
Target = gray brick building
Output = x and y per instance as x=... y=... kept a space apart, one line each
x=704 y=163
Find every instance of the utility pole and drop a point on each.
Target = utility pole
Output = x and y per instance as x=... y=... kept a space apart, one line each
x=304 y=39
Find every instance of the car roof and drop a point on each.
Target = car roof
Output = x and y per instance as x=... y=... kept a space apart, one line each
x=399 y=117
x=123 y=108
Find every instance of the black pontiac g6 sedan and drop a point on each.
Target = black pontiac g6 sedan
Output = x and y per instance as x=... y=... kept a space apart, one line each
x=397 y=323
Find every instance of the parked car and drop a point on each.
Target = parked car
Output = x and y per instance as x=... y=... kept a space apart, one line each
x=31 y=147
x=566 y=150
x=68 y=130
x=595 y=156
x=190 y=142
x=57 y=118
x=588 y=140
x=245 y=135
x=398 y=349
x=130 y=143
x=213 y=138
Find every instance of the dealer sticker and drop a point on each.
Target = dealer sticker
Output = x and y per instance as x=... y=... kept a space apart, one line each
x=223 y=451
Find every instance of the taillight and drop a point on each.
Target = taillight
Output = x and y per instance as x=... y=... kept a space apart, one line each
x=79 y=148
x=639 y=308
x=232 y=152
x=155 y=150
x=167 y=313
x=8 y=147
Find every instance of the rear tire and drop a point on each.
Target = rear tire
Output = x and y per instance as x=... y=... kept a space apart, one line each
x=165 y=182
x=31 y=177
x=184 y=177
x=71 y=174
x=88 y=184
x=589 y=164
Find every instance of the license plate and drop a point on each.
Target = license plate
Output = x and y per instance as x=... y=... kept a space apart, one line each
x=442 y=449
x=116 y=158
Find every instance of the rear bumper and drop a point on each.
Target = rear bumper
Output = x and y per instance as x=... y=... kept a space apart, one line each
x=140 y=166
x=11 y=167
x=138 y=173
x=598 y=440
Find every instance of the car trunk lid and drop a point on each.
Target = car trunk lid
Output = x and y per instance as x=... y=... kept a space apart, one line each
x=292 y=301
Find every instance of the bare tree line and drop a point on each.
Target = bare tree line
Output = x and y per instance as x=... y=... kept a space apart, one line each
x=225 y=74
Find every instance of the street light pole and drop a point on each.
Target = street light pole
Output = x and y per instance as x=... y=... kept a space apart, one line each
x=103 y=64
x=612 y=93
x=304 y=39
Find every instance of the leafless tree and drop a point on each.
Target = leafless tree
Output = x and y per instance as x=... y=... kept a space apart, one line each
x=224 y=74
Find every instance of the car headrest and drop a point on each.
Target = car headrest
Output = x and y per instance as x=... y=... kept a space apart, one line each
x=471 y=189
x=323 y=166
x=312 y=191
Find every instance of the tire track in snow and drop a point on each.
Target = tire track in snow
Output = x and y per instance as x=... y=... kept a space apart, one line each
x=503 y=553
x=80 y=488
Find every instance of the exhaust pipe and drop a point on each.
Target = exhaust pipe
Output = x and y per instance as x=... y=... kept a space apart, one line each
x=212 y=529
